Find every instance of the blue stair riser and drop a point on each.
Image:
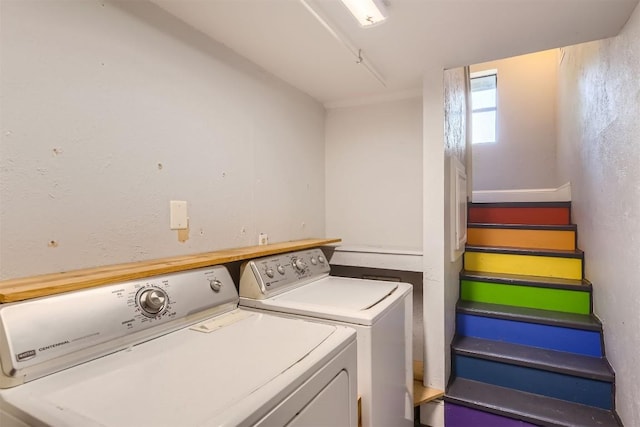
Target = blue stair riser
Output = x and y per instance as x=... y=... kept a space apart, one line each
x=552 y=384
x=461 y=416
x=550 y=337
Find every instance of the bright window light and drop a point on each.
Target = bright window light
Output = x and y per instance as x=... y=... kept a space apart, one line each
x=366 y=12
x=484 y=100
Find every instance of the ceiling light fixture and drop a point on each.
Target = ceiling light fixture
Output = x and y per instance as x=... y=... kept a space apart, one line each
x=367 y=12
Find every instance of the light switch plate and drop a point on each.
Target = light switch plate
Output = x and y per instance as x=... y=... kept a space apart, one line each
x=263 y=239
x=178 y=214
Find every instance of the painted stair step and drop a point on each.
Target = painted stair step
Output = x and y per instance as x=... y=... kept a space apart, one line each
x=531 y=315
x=553 y=213
x=568 y=332
x=551 y=384
x=531 y=237
x=528 y=407
x=555 y=361
x=524 y=280
x=547 y=263
x=549 y=373
x=540 y=297
x=461 y=416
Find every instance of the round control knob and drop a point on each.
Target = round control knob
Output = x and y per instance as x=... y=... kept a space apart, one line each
x=321 y=259
x=153 y=301
x=299 y=264
x=269 y=272
x=215 y=285
x=280 y=269
x=313 y=260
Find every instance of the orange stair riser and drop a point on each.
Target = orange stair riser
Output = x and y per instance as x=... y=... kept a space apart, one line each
x=512 y=215
x=530 y=239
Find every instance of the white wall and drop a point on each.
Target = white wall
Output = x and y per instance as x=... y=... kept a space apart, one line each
x=440 y=274
x=599 y=152
x=525 y=154
x=433 y=243
x=110 y=110
x=374 y=174
x=455 y=103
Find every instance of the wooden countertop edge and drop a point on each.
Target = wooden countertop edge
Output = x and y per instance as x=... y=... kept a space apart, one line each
x=49 y=284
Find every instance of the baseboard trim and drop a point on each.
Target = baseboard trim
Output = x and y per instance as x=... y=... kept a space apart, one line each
x=560 y=194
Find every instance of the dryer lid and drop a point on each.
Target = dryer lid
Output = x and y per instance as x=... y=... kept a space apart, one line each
x=354 y=301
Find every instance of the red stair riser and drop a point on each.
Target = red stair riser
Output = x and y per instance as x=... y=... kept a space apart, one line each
x=515 y=215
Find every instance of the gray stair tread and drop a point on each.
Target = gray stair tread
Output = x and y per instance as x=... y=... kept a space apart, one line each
x=531 y=315
x=568 y=227
x=528 y=407
x=521 y=205
x=556 y=361
x=577 y=253
x=519 y=279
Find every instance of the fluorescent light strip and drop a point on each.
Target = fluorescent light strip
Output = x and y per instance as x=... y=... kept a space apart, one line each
x=366 y=12
x=357 y=53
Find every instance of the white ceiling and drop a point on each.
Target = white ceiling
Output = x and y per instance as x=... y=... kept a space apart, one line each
x=283 y=37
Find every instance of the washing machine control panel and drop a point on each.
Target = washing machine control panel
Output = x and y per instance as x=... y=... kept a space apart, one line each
x=41 y=334
x=269 y=276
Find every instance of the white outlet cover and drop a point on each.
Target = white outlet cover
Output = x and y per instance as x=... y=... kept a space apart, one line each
x=178 y=214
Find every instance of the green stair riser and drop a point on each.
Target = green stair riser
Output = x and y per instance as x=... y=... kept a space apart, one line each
x=527 y=296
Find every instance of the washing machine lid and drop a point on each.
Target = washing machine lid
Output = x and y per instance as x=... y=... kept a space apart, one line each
x=342 y=299
x=212 y=374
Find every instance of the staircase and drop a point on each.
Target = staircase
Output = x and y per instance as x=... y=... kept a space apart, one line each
x=528 y=349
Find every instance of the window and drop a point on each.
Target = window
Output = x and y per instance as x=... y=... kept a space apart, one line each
x=484 y=95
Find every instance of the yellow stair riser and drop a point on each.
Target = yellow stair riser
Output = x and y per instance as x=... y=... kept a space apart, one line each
x=530 y=239
x=565 y=268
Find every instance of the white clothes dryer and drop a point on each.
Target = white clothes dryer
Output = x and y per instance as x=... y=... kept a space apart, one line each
x=298 y=284
x=172 y=350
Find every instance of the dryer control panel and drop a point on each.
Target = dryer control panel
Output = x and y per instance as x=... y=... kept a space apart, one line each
x=45 y=335
x=265 y=277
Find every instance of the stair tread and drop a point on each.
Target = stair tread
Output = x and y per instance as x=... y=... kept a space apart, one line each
x=532 y=315
x=569 y=227
x=521 y=205
x=533 y=357
x=520 y=279
x=529 y=407
x=576 y=253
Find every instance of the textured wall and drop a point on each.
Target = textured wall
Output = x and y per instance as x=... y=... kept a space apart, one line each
x=455 y=110
x=374 y=174
x=111 y=109
x=440 y=288
x=455 y=119
x=599 y=152
x=440 y=275
x=525 y=154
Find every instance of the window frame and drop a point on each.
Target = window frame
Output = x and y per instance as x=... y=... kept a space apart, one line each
x=478 y=75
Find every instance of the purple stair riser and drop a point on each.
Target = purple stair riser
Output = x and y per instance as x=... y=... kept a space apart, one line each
x=461 y=416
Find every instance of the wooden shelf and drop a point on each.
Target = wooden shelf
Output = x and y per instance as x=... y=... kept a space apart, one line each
x=48 y=284
x=422 y=394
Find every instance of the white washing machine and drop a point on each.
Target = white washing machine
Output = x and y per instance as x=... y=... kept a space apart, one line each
x=298 y=284
x=171 y=350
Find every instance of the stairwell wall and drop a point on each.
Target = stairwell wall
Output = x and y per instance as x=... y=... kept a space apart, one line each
x=599 y=152
x=525 y=149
